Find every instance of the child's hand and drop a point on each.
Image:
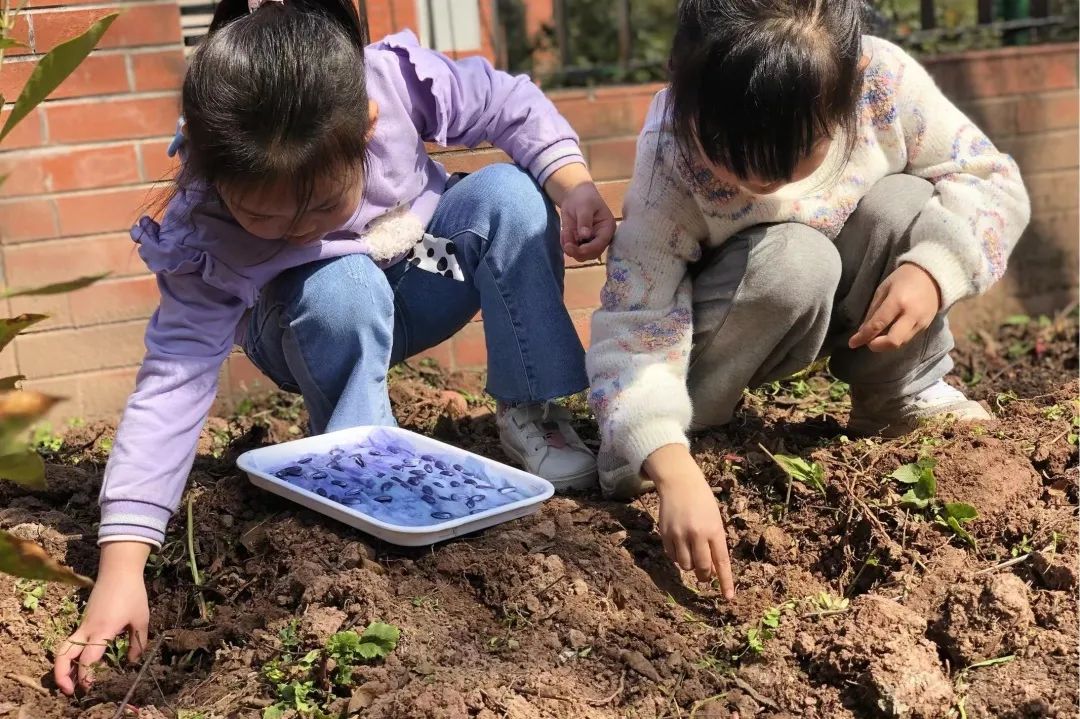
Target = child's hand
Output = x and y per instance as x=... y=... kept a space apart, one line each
x=905 y=304
x=587 y=222
x=690 y=522
x=117 y=603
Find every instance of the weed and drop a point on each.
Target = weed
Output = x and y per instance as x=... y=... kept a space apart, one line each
x=1022 y=547
x=31 y=591
x=838 y=390
x=922 y=495
x=105 y=444
x=61 y=624
x=116 y=651
x=811 y=474
x=764 y=630
x=425 y=602
x=1004 y=399
x=348 y=648
x=1054 y=412
x=45 y=440
x=289 y=636
x=827 y=603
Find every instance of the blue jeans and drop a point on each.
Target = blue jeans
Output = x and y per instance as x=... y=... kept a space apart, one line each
x=331 y=329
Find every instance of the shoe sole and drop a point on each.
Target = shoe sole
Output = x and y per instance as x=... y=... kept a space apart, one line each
x=624 y=486
x=574 y=483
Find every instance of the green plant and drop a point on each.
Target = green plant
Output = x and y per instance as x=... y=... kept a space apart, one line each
x=1022 y=547
x=21 y=409
x=45 y=441
x=922 y=495
x=348 y=648
x=31 y=591
x=117 y=651
x=764 y=630
x=812 y=474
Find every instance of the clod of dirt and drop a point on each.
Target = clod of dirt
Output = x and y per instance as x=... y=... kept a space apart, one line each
x=1055 y=571
x=984 y=620
x=319 y=623
x=577 y=639
x=355 y=554
x=775 y=545
x=880 y=656
x=637 y=661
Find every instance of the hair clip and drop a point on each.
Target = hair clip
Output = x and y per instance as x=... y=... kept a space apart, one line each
x=254 y=5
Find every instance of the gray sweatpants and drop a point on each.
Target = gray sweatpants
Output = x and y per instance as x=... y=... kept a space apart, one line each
x=774 y=298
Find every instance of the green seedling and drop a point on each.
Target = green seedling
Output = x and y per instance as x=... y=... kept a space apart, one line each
x=45 y=441
x=827 y=603
x=1054 y=412
x=31 y=591
x=764 y=630
x=812 y=474
x=1004 y=399
x=425 y=602
x=921 y=495
x=1022 y=548
x=838 y=390
x=116 y=651
x=348 y=648
x=1017 y=321
x=289 y=636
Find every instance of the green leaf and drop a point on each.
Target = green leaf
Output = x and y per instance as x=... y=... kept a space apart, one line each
x=10 y=327
x=961 y=511
x=961 y=532
x=274 y=711
x=10 y=383
x=57 y=288
x=1018 y=320
x=25 y=468
x=22 y=558
x=907 y=474
x=809 y=473
x=53 y=69
x=992 y=662
x=384 y=636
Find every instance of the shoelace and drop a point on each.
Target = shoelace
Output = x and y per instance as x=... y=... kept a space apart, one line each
x=544 y=427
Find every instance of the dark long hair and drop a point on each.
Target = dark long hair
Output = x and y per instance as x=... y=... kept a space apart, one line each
x=756 y=83
x=278 y=96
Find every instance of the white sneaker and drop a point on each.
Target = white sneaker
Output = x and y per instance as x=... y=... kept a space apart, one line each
x=539 y=438
x=618 y=481
x=897 y=417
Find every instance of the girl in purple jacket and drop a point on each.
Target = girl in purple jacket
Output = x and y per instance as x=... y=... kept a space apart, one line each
x=310 y=226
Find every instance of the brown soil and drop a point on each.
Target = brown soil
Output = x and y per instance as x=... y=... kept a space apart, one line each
x=576 y=612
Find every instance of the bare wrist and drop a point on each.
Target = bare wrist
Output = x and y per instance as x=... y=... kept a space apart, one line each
x=123 y=558
x=565 y=179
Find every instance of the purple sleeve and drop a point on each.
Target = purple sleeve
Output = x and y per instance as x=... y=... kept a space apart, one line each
x=468 y=102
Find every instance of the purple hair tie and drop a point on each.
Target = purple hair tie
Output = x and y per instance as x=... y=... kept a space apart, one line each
x=254 y=5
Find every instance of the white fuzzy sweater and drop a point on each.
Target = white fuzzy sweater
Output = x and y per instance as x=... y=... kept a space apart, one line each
x=641 y=336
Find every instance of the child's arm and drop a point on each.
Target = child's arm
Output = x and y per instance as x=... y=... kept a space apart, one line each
x=638 y=361
x=468 y=102
x=964 y=235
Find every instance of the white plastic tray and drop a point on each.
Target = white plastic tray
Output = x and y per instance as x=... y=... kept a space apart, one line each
x=521 y=493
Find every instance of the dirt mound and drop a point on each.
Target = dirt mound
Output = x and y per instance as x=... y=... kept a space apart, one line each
x=851 y=603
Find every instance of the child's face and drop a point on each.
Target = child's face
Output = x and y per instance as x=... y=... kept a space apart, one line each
x=756 y=186
x=270 y=213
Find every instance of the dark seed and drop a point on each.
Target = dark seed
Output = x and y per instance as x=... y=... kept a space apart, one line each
x=354 y=494
x=293 y=471
x=441 y=464
x=440 y=485
x=305 y=460
x=458 y=467
x=446 y=473
x=470 y=504
x=384 y=498
x=428 y=468
x=411 y=463
x=429 y=499
x=484 y=486
x=386 y=486
x=375 y=453
x=442 y=515
x=427 y=490
x=339 y=483
x=469 y=481
x=427 y=458
x=397 y=468
x=359 y=460
x=417 y=472
x=320 y=491
x=455 y=483
x=413 y=481
x=320 y=475
x=394 y=449
x=445 y=499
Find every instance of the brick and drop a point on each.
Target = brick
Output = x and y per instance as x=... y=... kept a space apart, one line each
x=158 y=70
x=64 y=170
x=26 y=134
x=66 y=388
x=97 y=75
x=25 y=220
x=157 y=166
x=243 y=377
x=471 y=160
x=1055 y=150
x=20 y=32
x=611 y=113
x=995 y=116
x=98 y=212
x=997 y=73
x=42 y=263
x=1051 y=191
x=137 y=25
x=104 y=394
x=583 y=285
x=612 y=159
x=442 y=353
x=469 y=347
x=613 y=193
x=50 y=354
x=40 y=4
x=131 y=298
x=121 y=119
x=1048 y=111
x=57 y=307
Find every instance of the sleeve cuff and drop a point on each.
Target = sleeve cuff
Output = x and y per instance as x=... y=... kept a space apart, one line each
x=639 y=443
x=133 y=518
x=128 y=538
x=945 y=267
x=555 y=157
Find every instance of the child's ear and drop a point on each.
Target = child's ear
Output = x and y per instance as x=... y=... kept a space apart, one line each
x=373 y=118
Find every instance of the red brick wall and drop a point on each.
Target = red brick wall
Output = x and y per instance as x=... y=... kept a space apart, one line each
x=85 y=163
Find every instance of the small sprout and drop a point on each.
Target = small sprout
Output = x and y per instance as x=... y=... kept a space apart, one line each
x=1023 y=547
x=811 y=474
x=922 y=495
x=826 y=602
x=1004 y=399
x=116 y=651
x=1017 y=321
x=32 y=591
x=838 y=390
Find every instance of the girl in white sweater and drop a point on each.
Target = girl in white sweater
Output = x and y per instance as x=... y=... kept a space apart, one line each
x=801 y=190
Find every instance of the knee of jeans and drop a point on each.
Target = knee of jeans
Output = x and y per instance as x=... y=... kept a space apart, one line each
x=343 y=298
x=894 y=201
x=796 y=274
x=516 y=207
